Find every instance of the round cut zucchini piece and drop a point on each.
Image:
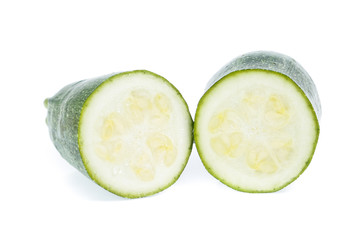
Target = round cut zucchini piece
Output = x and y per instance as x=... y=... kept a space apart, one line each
x=130 y=132
x=256 y=126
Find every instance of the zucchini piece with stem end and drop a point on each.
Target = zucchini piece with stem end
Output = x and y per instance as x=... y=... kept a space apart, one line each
x=130 y=132
x=257 y=125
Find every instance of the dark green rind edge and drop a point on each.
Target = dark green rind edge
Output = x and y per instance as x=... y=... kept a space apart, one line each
x=65 y=116
x=226 y=71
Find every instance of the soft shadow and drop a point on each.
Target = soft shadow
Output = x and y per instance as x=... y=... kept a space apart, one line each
x=194 y=170
x=89 y=190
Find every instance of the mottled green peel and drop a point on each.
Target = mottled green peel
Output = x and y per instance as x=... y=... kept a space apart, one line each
x=64 y=110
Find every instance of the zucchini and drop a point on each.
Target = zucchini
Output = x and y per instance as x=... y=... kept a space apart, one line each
x=130 y=132
x=257 y=125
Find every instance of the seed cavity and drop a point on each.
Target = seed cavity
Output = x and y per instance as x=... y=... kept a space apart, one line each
x=259 y=159
x=254 y=132
x=277 y=114
x=162 y=103
x=282 y=149
x=143 y=168
x=162 y=149
x=131 y=138
x=229 y=144
x=227 y=120
x=109 y=150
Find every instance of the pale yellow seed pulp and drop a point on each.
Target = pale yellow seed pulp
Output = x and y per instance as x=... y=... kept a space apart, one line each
x=251 y=133
x=136 y=125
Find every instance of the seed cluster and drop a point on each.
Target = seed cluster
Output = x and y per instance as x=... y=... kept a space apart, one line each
x=138 y=125
x=254 y=131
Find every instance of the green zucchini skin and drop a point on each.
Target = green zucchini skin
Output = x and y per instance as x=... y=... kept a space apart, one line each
x=277 y=62
x=64 y=110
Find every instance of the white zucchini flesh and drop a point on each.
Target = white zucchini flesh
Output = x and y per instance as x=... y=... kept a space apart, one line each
x=135 y=134
x=255 y=130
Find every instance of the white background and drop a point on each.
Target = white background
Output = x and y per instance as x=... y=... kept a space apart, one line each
x=48 y=44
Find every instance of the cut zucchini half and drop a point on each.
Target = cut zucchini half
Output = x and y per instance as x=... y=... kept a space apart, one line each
x=130 y=132
x=256 y=126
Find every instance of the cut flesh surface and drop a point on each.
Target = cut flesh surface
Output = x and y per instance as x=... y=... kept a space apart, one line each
x=135 y=134
x=255 y=130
